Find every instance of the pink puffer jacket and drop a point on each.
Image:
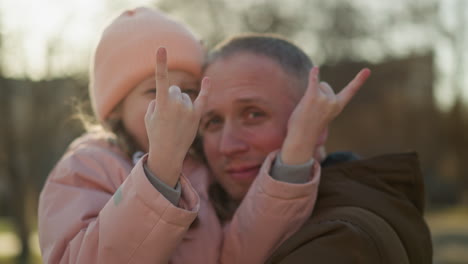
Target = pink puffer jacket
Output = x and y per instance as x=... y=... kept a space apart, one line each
x=96 y=207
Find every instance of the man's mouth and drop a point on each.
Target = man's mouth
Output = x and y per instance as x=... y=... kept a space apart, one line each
x=243 y=173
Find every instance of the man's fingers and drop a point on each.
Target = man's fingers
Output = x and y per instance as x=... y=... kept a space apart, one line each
x=202 y=95
x=161 y=75
x=353 y=87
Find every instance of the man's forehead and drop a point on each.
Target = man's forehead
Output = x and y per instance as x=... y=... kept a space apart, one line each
x=245 y=78
x=246 y=62
x=245 y=70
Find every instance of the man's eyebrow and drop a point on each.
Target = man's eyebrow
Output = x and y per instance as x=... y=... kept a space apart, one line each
x=251 y=100
x=208 y=115
x=246 y=100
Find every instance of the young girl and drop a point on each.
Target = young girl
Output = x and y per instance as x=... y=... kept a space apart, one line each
x=105 y=203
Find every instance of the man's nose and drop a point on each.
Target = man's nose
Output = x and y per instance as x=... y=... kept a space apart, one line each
x=232 y=141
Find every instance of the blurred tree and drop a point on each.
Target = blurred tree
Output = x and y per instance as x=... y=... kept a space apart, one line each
x=15 y=185
x=331 y=31
x=36 y=127
x=1 y=47
x=456 y=126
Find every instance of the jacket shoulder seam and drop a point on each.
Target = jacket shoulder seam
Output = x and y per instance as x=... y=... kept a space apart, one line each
x=361 y=229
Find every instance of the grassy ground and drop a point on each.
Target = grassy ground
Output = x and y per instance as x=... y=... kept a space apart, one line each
x=449 y=230
x=10 y=247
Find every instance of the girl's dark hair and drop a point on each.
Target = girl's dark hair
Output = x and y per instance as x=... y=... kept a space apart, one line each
x=224 y=205
x=117 y=136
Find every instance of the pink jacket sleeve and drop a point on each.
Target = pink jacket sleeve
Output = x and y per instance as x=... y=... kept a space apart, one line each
x=86 y=216
x=269 y=214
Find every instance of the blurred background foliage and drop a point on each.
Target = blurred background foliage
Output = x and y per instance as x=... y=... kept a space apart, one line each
x=416 y=99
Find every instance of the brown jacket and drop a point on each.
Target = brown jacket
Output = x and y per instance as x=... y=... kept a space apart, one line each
x=367 y=211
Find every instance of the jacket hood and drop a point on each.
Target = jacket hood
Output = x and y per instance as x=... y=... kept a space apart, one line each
x=95 y=139
x=391 y=186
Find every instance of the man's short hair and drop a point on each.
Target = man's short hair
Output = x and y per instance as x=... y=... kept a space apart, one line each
x=289 y=56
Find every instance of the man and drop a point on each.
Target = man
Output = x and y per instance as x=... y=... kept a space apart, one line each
x=368 y=211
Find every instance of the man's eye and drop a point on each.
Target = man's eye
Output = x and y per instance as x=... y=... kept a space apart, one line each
x=253 y=116
x=212 y=124
x=253 y=113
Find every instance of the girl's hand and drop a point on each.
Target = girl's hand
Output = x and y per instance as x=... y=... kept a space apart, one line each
x=171 y=123
x=311 y=117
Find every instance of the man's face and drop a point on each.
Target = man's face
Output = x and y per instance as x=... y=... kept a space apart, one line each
x=245 y=117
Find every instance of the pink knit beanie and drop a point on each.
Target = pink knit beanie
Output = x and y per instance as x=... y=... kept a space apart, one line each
x=126 y=55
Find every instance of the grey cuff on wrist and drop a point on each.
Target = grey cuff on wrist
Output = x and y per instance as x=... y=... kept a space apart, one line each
x=291 y=173
x=171 y=194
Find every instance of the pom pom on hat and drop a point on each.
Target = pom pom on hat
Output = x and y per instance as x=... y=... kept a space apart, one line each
x=126 y=55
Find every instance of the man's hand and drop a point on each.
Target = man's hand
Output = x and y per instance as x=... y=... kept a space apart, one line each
x=171 y=123
x=311 y=117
